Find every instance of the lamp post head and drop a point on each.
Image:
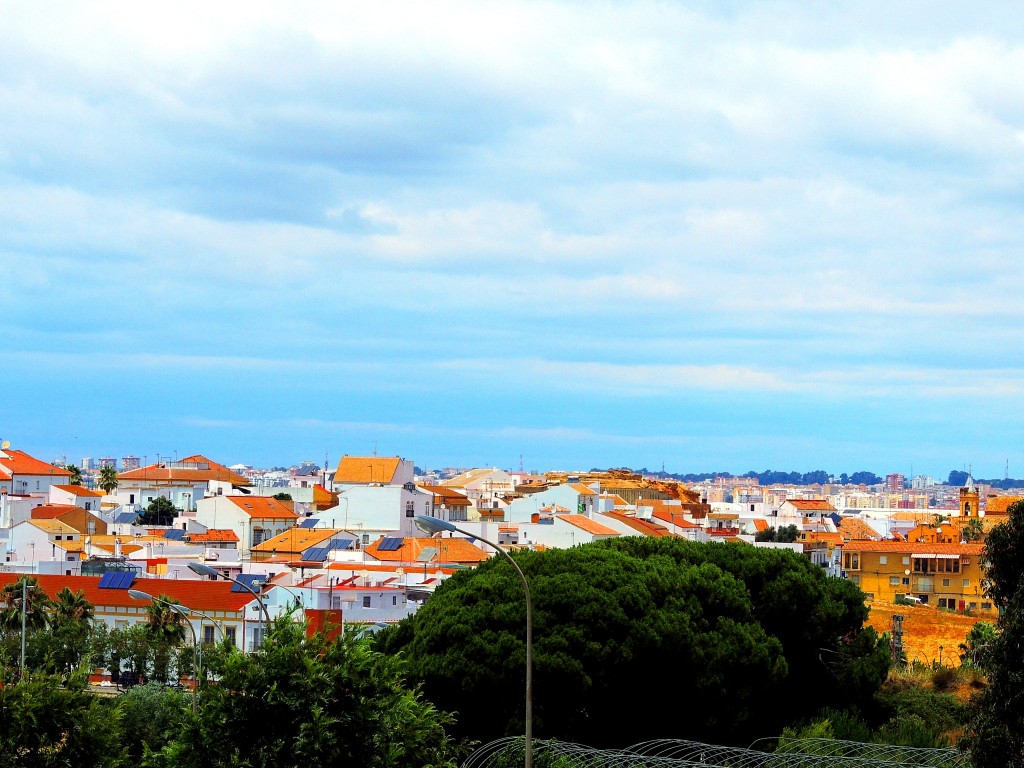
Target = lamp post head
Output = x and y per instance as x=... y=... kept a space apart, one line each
x=204 y=570
x=138 y=594
x=433 y=525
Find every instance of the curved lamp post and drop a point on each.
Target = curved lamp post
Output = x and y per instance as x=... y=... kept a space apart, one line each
x=204 y=570
x=434 y=525
x=136 y=594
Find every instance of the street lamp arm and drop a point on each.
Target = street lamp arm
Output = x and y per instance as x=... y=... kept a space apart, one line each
x=204 y=570
x=434 y=525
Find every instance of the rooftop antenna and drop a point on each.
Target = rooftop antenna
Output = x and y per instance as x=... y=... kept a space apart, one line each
x=374 y=447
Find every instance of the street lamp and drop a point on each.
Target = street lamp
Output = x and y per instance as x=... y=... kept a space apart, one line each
x=434 y=525
x=24 y=599
x=204 y=570
x=136 y=594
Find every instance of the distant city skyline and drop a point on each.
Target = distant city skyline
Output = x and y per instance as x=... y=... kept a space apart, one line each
x=716 y=236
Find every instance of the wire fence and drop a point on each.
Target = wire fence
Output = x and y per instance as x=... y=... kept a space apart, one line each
x=680 y=753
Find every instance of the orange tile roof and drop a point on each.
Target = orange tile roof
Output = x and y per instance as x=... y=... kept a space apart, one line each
x=200 y=594
x=78 y=490
x=20 y=463
x=447 y=495
x=997 y=505
x=583 y=490
x=451 y=550
x=295 y=540
x=52 y=526
x=761 y=525
x=811 y=505
x=641 y=525
x=590 y=526
x=366 y=469
x=263 y=507
x=854 y=528
x=909 y=547
x=52 y=511
x=213 y=534
x=191 y=469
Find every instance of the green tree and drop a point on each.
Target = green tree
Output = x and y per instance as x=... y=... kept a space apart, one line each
x=69 y=628
x=996 y=738
x=150 y=716
x=973 y=529
x=975 y=648
x=108 y=479
x=283 y=496
x=160 y=511
x=50 y=721
x=76 y=474
x=36 y=607
x=303 y=701
x=166 y=627
x=729 y=625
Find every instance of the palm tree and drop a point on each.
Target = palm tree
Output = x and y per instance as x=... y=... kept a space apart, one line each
x=166 y=628
x=108 y=479
x=70 y=624
x=36 y=603
x=76 y=474
x=71 y=606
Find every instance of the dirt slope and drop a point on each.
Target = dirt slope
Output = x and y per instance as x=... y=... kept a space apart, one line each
x=924 y=630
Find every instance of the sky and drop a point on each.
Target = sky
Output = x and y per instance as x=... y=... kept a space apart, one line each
x=704 y=236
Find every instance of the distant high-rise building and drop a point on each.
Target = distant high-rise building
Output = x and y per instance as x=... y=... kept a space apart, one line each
x=128 y=463
x=108 y=461
x=895 y=483
x=88 y=463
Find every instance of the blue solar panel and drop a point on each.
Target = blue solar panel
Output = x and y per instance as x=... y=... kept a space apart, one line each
x=341 y=544
x=174 y=534
x=125 y=517
x=309 y=522
x=315 y=554
x=117 y=580
x=252 y=580
x=389 y=545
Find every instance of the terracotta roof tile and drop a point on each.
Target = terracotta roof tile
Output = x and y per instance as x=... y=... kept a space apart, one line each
x=366 y=469
x=20 y=463
x=78 y=490
x=263 y=507
x=590 y=526
x=200 y=594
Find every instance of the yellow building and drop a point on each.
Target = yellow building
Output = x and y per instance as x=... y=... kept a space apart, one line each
x=940 y=574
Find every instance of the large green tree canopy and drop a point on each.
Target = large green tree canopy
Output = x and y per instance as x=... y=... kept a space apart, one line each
x=642 y=638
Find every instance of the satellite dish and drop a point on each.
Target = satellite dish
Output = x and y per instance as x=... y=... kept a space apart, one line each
x=5 y=445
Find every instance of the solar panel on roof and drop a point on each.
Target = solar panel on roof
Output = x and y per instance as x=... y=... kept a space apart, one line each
x=315 y=554
x=251 y=580
x=389 y=545
x=340 y=544
x=125 y=517
x=309 y=522
x=174 y=534
x=117 y=580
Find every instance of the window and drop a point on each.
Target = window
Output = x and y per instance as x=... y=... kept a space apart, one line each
x=410 y=509
x=894 y=581
x=906 y=580
x=231 y=634
x=366 y=601
x=945 y=582
x=208 y=634
x=986 y=606
x=883 y=559
x=967 y=582
x=906 y=560
x=394 y=599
